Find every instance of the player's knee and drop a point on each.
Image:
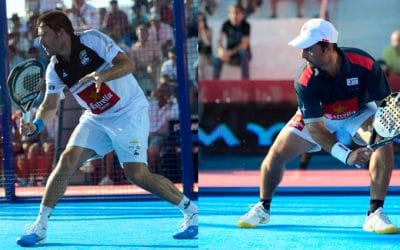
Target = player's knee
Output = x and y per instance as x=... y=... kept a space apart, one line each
x=136 y=172
x=274 y=160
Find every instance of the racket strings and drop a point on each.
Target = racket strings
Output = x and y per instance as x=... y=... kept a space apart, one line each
x=389 y=117
x=26 y=86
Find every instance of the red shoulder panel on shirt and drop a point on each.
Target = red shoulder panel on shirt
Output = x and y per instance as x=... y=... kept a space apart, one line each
x=306 y=76
x=361 y=60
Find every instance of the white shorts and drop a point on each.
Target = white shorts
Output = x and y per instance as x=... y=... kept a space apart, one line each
x=351 y=125
x=127 y=135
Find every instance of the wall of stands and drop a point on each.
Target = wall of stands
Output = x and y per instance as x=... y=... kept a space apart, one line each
x=245 y=116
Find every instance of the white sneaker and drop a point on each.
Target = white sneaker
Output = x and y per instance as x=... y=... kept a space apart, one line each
x=257 y=214
x=379 y=222
x=33 y=234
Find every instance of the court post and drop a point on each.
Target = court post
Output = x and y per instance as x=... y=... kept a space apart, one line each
x=5 y=110
x=183 y=98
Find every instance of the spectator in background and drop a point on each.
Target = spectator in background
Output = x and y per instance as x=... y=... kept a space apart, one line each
x=168 y=69
x=40 y=6
x=17 y=25
x=138 y=18
x=236 y=33
x=161 y=110
x=147 y=57
x=33 y=53
x=83 y=15
x=160 y=33
x=249 y=6
x=13 y=57
x=117 y=26
x=391 y=54
x=191 y=12
x=274 y=7
x=20 y=42
x=209 y=6
x=164 y=9
x=204 y=47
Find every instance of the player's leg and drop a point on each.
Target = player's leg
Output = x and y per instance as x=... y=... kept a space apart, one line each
x=292 y=141
x=85 y=135
x=134 y=161
x=69 y=162
x=163 y=188
x=380 y=170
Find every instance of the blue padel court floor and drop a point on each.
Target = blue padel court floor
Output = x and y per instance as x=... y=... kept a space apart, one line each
x=297 y=222
x=98 y=225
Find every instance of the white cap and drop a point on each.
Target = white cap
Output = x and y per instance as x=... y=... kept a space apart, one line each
x=313 y=31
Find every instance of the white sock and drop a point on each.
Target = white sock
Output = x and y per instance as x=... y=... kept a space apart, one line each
x=187 y=206
x=44 y=215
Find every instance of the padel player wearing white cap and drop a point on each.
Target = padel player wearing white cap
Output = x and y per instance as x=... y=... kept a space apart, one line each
x=336 y=88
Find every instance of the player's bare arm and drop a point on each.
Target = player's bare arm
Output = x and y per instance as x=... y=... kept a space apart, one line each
x=122 y=65
x=323 y=137
x=45 y=112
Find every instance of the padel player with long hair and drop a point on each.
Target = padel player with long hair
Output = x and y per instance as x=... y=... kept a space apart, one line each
x=98 y=74
x=335 y=88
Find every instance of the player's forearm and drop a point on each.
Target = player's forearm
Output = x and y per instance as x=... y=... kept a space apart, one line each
x=320 y=134
x=48 y=109
x=122 y=65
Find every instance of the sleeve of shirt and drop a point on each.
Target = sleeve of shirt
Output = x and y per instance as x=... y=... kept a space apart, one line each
x=308 y=103
x=102 y=44
x=378 y=86
x=54 y=85
x=246 y=29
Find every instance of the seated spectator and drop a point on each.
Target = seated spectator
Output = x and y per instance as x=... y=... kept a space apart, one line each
x=274 y=7
x=83 y=16
x=391 y=54
x=191 y=15
x=249 y=6
x=20 y=42
x=209 y=6
x=17 y=25
x=160 y=33
x=164 y=9
x=117 y=26
x=138 y=18
x=33 y=53
x=161 y=110
x=204 y=48
x=236 y=32
x=147 y=57
x=168 y=68
x=13 y=58
x=35 y=160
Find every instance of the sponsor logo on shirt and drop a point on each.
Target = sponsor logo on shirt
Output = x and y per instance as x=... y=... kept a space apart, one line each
x=341 y=109
x=352 y=81
x=99 y=102
x=83 y=56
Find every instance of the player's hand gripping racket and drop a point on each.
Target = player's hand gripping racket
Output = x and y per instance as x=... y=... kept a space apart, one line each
x=386 y=122
x=25 y=83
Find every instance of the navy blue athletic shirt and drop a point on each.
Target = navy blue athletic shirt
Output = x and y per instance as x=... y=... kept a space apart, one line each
x=359 y=81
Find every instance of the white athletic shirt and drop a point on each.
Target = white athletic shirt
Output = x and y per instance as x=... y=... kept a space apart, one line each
x=94 y=51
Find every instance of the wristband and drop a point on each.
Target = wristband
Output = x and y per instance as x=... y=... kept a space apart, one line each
x=39 y=123
x=341 y=152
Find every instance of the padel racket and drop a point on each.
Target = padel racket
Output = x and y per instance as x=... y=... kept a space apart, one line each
x=386 y=122
x=25 y=83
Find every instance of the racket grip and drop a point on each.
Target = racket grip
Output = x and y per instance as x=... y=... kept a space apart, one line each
x=26 y=116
